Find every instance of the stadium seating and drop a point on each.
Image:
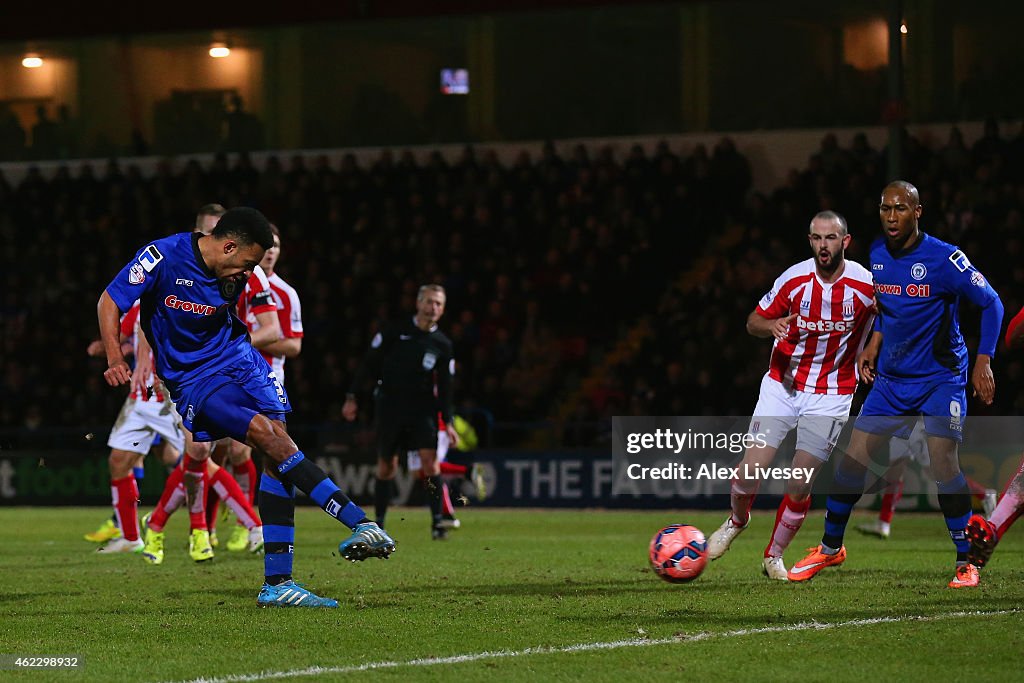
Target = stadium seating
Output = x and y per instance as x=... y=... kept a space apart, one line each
x=551 y=265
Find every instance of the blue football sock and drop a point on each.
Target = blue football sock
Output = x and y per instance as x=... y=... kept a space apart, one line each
x=314 y=482
x=277 y=507
x=955 y=501
x=847 y=487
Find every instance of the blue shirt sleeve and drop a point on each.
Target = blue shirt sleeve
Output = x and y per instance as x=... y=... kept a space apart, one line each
x=136 y=278
x=991 y=324
x=967 y=281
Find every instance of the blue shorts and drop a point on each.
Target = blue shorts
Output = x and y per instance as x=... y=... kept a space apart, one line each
x=892 y=407
x=224 y=404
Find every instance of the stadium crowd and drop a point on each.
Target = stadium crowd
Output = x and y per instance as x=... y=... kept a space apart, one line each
x=547 y=263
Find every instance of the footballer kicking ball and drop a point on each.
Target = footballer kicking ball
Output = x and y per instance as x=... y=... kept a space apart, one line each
x=679 y=553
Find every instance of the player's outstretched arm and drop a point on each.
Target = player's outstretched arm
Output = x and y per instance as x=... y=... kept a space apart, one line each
x=759 y=326
x=117 y=372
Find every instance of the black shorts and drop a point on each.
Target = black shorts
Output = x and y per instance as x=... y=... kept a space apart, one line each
x=397 y=434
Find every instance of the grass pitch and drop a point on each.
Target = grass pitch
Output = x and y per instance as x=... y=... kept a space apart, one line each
x=520 y=595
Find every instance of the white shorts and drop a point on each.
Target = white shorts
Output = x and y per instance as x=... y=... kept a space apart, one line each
x=140 y=421
x=914 y=447
x=412 y=458
x=818 y=418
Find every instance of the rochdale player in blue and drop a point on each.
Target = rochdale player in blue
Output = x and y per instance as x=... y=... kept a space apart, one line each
x=917 y=361
x=188 y=285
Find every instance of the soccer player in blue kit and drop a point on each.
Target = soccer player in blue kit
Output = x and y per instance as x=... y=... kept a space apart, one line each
x=188 y=285
x=917 y=361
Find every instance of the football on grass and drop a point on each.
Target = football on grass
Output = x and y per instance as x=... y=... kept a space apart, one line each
x=678 y=553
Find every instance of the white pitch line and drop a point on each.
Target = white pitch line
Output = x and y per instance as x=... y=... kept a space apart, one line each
x=589 y=647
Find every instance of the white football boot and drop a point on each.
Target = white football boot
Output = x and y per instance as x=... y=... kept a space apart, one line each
x=121 y=545
x=723 y=537
x=774 y=568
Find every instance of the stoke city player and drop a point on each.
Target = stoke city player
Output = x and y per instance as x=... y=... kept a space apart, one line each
x=819 y=311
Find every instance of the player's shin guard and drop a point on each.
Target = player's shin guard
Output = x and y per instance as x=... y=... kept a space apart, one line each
x=277 y=503
x=847 y=488
x=125 y=495
x=382 y=489
x=231 y=493
x=434 y=487
x=305 y=475
x=788 y=520
x=195 y=492
x=955 y=502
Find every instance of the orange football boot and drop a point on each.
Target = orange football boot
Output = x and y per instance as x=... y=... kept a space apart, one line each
x=815 y=562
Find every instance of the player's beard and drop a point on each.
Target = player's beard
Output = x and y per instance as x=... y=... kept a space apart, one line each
x=831 y=264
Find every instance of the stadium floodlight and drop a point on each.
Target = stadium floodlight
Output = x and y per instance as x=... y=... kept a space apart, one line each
x=32 y=61
x=218 y=50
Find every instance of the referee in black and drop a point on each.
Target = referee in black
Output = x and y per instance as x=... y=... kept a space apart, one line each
x=412 y=364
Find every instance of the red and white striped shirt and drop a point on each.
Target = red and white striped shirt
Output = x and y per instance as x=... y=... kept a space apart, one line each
x=289 y=314
x=129 y=330
x=830 y=327
x=256 y=297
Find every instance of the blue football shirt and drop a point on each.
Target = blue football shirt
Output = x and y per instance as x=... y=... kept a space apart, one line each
x=187 y=313
x=918 y=292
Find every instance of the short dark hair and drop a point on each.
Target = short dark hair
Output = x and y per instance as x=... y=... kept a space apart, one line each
x=246 y=226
